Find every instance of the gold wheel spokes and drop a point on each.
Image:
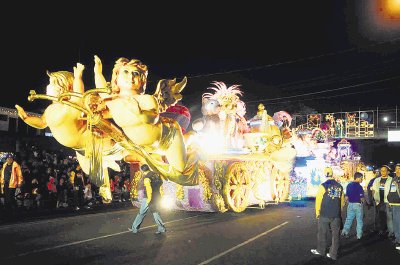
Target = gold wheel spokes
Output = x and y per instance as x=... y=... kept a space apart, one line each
x=237 y=187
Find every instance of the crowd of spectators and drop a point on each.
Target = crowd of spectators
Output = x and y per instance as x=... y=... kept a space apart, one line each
x=54 y=179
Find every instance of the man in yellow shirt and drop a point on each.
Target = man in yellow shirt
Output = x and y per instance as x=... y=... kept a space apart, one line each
x=152 y=183
x=329 y=203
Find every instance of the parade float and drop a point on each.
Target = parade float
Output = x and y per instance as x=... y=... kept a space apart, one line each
x=315 y=150
x=223 y=164
x=241 y=163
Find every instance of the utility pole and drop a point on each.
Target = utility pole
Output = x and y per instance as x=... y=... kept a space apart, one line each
x=377 y=118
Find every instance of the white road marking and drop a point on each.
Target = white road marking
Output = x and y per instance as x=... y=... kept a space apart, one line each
x=242 y=244
x=56 y=220
x=92 y=239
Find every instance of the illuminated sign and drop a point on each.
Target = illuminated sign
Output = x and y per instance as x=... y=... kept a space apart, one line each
x=394 y=136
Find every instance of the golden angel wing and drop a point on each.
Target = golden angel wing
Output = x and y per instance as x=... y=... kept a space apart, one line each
x=168 y=92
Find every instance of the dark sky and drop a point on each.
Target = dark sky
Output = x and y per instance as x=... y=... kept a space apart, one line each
x=328 y=55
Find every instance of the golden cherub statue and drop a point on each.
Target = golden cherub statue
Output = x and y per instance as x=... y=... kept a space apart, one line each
x=138 y=114
x=69 y=126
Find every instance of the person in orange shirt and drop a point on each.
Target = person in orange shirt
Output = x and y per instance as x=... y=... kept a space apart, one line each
x=10 y=178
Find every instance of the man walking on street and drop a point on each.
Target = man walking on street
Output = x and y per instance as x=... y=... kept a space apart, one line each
x=355 y=198
x=393 y=198
x=329 y=202
x=152 y=183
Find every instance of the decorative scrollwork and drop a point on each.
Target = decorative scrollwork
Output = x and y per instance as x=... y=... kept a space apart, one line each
x=219 y=203
x=204 y=180
x=219 y=167
x=134 y=184
x=180 y=194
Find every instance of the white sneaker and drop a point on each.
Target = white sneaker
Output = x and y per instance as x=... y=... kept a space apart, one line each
x=329 y=256
x=133 y=230
x=315 y=252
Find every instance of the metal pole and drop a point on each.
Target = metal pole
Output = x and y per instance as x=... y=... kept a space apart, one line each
x=396 y=116
x=377 y=118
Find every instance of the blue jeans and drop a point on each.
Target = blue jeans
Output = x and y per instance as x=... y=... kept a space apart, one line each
x=354 y=210
x=396 y=222
x=389 y=218
x=144 y=207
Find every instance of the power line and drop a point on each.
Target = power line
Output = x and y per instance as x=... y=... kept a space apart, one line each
x=328 y=90
x=288 y=62
x=327 y=97
x=331 y=78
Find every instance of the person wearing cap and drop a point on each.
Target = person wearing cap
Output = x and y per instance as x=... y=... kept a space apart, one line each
x=10 y=178
x=393 y=198
x=329 y=203
x=380 y=189
x=355 y=198
x=152 y=183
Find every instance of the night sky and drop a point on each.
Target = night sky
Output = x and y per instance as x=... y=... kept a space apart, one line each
x=326 y=55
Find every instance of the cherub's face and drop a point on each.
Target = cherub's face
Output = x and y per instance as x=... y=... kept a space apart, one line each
x=53 y=89
x=129 y=80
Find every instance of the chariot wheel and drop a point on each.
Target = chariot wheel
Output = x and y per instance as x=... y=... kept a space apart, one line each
x=237 y=187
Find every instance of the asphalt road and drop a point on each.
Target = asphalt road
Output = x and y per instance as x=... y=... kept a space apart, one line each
x=278 y=234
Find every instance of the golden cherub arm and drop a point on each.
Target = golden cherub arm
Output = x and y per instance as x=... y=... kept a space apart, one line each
x=78 y=85
x=168 y=92
x=150 y=113
x=36 y=122
x=99 y=79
